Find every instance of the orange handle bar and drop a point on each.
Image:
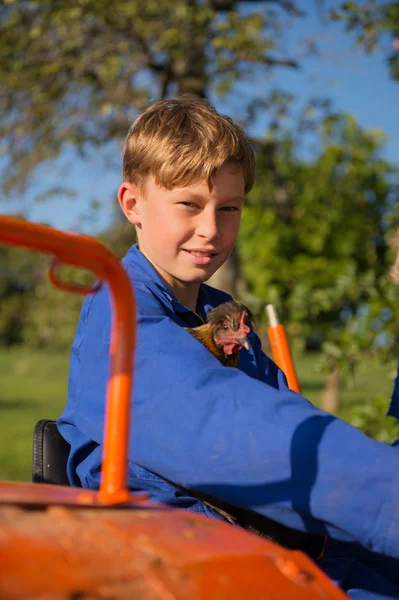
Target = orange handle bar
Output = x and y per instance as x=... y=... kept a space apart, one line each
x=280 y=348
x=83 y=251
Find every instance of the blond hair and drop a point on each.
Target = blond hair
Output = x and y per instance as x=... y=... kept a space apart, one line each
x=183 y=140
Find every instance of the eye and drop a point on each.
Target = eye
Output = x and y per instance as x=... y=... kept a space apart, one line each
x=229 y=209
x=225 y=327
x=189 y=204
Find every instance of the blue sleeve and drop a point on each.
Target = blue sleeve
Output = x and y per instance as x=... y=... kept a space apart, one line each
x=216 y=430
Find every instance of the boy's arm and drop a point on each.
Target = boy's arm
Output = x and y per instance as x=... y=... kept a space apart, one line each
x=215 y=430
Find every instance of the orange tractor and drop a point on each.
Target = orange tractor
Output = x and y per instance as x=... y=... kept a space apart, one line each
x=58 y=542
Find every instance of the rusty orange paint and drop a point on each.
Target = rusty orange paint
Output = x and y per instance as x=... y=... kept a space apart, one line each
x=32 y=494
x=83 y=251
x=282 y=355
x=158 y=554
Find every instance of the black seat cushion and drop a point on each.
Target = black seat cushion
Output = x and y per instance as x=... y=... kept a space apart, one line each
x=50 y=454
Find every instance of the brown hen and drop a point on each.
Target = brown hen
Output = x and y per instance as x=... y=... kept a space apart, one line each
x=225 y=332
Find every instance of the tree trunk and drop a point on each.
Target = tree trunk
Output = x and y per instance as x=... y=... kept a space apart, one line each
x=330 y=399
x=227 y=277
x=190 y=69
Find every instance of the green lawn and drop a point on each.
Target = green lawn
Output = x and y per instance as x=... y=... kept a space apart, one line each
x=34 y=386
x=371 y=379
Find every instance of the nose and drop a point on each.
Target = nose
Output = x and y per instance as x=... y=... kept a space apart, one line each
x=207 y=226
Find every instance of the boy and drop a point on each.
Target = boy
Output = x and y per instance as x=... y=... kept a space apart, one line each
x=239 y=436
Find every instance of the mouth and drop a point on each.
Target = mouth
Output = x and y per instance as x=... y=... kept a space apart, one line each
x=201 y=258
x=201 y=253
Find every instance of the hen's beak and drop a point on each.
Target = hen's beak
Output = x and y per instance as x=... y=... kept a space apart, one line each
x=243 y=341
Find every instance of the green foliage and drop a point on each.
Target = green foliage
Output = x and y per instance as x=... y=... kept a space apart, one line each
x=52 y=314
x=18 y=276
x=119 y=236
x=316 y=245
x=365 y=393
x=373 y=23
x=370 y=418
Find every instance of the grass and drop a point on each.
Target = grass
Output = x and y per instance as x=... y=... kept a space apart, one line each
x=371 y=379
x=34 y=386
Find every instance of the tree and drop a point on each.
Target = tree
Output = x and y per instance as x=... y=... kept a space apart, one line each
x=375 y=25
x=320 y=252
x=18 y=276
x=76 y=74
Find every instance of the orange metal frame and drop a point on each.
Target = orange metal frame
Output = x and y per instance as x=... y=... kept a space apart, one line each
x=280 y=349
x=83 y=251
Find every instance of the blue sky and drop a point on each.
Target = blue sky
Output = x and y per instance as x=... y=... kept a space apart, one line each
x=356 y=83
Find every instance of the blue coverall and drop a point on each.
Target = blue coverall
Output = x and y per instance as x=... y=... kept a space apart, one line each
x=239 y=435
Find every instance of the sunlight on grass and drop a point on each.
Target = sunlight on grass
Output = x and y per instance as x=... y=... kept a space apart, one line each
x=371 y=379
x=34 y=386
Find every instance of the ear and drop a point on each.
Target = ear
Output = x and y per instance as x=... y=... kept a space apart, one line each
x=129 y=197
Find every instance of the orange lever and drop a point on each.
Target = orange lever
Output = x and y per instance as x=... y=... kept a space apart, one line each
x=280 y=348
x=84 y=251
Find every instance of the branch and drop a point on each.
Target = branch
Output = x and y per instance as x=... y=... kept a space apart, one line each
x=265 y=60
x=129 y=32
x=166 y=80
x=229 y=5
x=274 y=62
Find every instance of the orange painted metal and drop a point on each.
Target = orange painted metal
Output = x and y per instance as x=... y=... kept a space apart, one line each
x=159 y=554
x=281 y=350
x=66 y=286
x=83 y=251
x=32 y=494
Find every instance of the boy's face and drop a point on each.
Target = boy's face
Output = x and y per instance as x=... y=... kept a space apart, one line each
x=187 y=233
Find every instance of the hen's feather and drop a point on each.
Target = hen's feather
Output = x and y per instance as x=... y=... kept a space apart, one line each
x=203 y=334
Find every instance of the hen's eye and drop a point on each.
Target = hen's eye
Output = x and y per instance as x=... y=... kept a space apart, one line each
x=225 y=327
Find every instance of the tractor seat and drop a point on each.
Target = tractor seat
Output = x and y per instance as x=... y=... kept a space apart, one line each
x=50 y=454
